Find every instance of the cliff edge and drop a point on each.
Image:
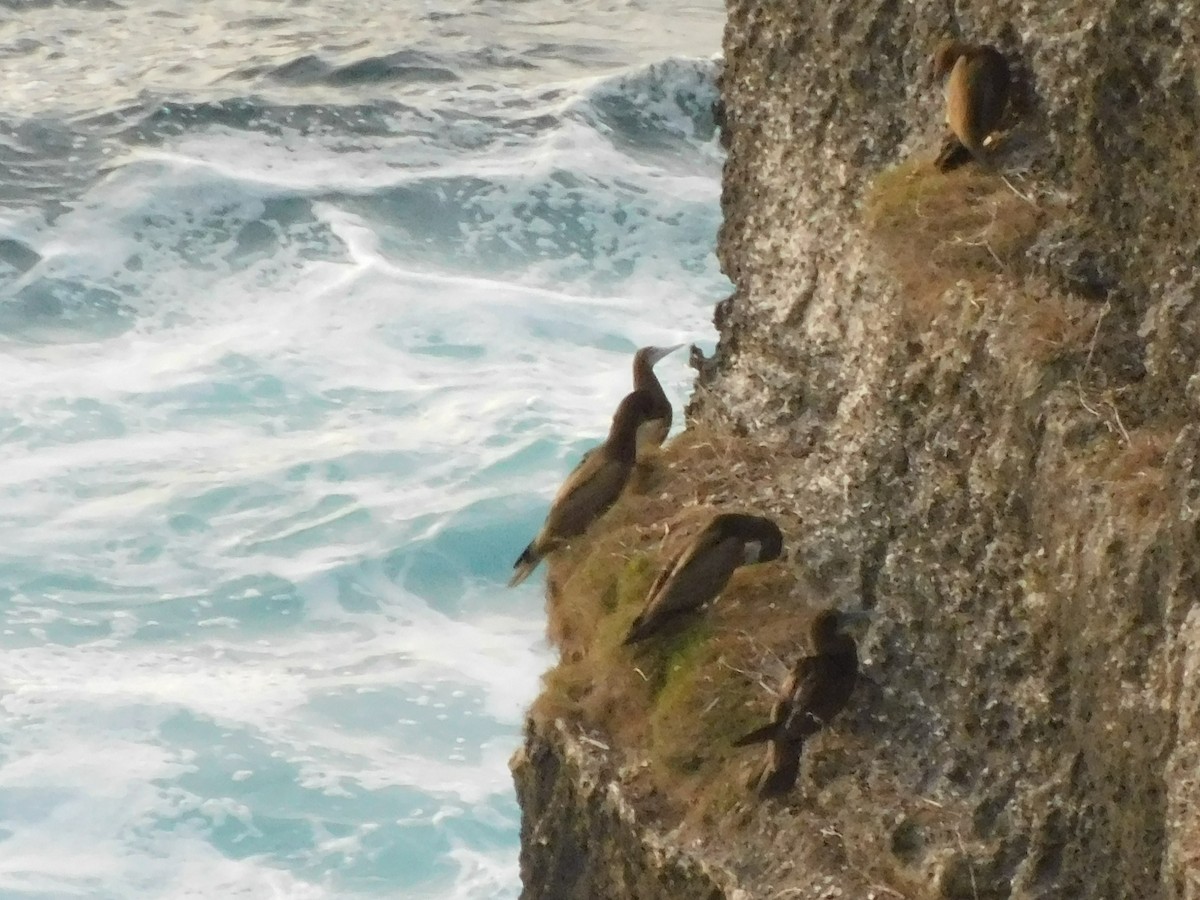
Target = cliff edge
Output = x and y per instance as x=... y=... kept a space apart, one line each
x=971 y=402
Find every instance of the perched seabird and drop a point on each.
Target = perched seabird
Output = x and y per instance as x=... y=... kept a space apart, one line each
x=654 y=430
x=818 y=688
x=592 y=488
x=702 y=569
x=976 y=94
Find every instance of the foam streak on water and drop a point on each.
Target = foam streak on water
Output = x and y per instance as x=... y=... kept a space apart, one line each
x=303 y=315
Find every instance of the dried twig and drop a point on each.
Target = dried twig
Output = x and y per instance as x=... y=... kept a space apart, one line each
x=1095 y=335
x=1116 y=415
x=970 y=864
x=1004 y=178
x=749 y=676
x=591 y=741
x=1120 y=425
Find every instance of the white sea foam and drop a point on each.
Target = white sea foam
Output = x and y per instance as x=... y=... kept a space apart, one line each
x=282 y=405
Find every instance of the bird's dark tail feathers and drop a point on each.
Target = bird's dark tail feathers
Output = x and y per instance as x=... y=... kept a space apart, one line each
x=635 y=633
x=525 y=564
x=780 y=775
x=757 y=736
x=953 y=155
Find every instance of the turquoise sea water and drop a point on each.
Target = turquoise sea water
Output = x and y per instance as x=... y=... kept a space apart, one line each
x=305 y=309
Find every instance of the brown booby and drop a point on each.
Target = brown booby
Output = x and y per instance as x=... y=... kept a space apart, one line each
x=702 y=569
x=654 y=430
x=976 y=94
x=592 y=488
x=818 y=688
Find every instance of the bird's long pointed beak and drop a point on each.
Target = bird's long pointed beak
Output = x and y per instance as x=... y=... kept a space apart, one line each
x=657 y=353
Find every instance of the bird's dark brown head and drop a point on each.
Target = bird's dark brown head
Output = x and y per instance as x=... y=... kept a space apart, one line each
x=945 y=56
x=644 y=361
x=762 y=537
x=826 y=630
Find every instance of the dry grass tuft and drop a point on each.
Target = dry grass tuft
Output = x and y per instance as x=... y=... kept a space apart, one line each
x=1035 y=324
x=939 y=229
x=1135 y=475
x=1054 y=323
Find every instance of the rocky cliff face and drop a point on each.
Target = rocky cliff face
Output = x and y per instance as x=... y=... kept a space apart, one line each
x=983 y=396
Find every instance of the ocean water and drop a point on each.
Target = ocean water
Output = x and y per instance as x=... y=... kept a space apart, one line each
x=305 y=310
